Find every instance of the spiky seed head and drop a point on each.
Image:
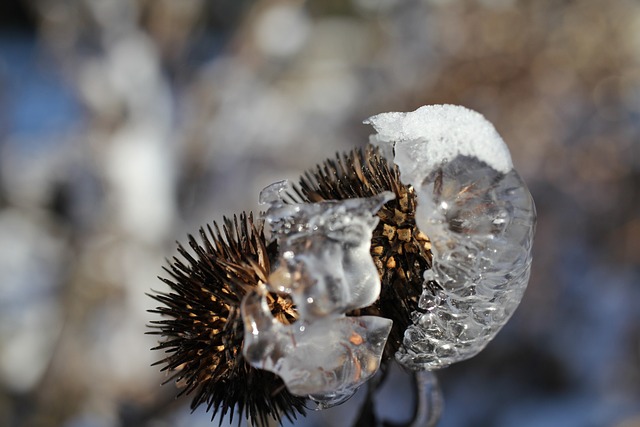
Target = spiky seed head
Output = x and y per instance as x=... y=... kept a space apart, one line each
x=202 y=330
x=401 y=252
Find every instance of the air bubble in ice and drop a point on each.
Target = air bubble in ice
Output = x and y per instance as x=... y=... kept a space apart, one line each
x=326 y=268
x=480 y=218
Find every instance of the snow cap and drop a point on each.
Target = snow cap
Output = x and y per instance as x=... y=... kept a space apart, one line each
x=423 y=139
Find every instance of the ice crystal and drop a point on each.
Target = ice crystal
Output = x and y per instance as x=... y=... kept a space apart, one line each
x=480 y=218
x=325 y=267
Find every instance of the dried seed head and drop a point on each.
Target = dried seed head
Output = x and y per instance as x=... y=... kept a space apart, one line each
x=400 y=251
x=203 y=330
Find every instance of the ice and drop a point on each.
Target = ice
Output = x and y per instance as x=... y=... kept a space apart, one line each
x=326 y=268
x=480 y=218
x=434 y=134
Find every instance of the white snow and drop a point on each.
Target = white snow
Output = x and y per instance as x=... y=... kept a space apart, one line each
x=433 y=134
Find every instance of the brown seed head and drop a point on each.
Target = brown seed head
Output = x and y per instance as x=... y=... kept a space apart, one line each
x=203 y=330
x=400 y=251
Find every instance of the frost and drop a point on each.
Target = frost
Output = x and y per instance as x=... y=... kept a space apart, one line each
x=325 y=267
x=480 y=218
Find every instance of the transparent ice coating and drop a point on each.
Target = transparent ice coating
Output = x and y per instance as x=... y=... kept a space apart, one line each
x=325 y=267
x=480 y=218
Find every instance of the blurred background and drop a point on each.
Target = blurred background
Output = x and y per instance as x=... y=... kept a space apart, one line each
x=126 y=124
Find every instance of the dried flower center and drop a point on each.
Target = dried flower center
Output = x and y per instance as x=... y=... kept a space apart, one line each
x=282 y=308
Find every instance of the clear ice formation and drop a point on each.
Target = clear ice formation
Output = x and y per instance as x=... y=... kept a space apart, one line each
x=325 y=267
x=480 y=218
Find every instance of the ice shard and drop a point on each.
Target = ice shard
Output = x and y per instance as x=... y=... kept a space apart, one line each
x=480 y=218
x=325 y=267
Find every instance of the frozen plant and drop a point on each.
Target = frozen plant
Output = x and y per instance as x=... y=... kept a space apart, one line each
x=480 y=218
x=416 y=249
